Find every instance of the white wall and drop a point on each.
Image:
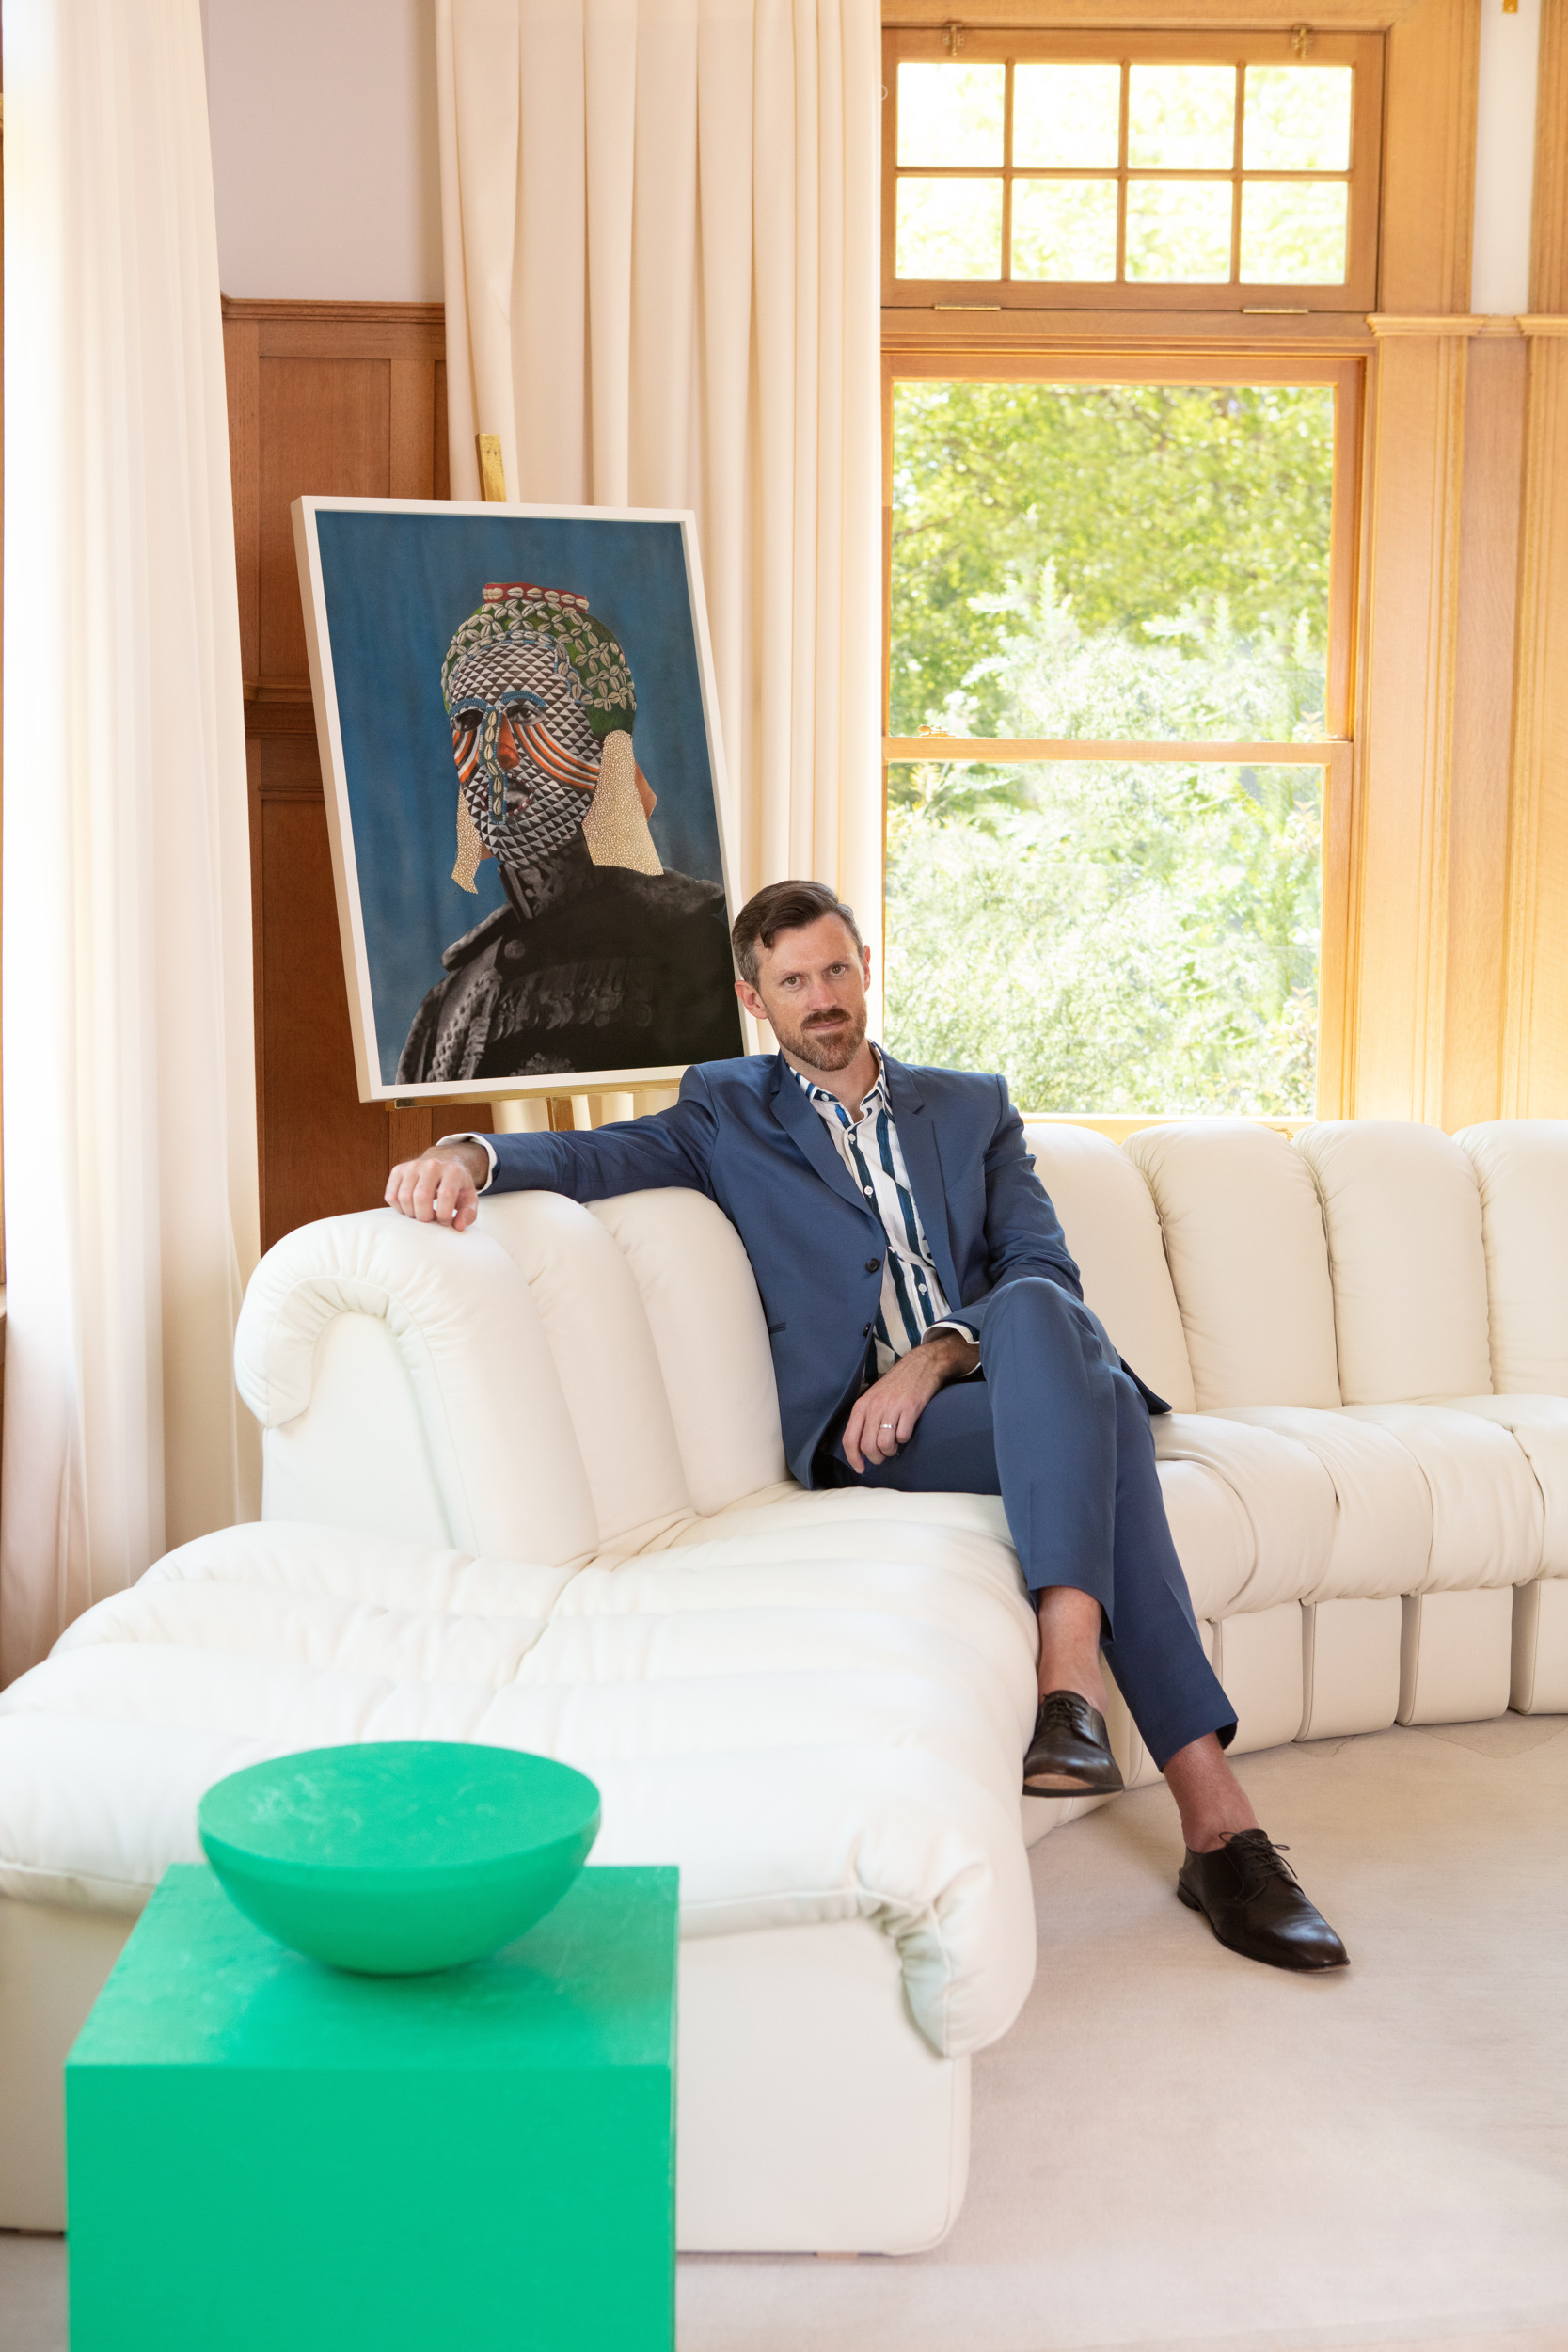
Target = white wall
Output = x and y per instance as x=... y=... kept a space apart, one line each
x=324 y=149
x=325 y=155
x=1505 y=156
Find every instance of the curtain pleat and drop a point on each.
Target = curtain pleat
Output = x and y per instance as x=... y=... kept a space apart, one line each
x=660 y=225
x=130 y=1166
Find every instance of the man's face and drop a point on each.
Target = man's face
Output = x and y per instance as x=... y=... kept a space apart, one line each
x=811 y=990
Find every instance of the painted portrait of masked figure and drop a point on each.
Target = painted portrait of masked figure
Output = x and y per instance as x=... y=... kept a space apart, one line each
x=600 y=959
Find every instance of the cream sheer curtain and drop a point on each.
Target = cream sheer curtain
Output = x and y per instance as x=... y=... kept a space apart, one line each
x=130 y=1146
x=661 y=224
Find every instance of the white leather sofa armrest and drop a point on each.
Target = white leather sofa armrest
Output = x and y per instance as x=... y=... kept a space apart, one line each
x=462 y=1374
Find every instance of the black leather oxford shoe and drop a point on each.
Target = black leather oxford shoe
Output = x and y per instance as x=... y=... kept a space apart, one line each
x=1255 y=1903
x=1069 y=1755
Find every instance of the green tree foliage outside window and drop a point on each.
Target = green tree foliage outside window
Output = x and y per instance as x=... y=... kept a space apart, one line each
x=1110 y=562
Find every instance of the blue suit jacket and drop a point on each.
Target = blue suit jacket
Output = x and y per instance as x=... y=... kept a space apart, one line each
x=745 y=1134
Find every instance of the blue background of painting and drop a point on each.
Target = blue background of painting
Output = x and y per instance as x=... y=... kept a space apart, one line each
x=396 y=588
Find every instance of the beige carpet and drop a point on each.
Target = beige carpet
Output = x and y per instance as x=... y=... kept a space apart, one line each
x=1174 y=2147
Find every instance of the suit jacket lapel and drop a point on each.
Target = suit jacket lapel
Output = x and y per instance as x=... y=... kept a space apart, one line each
x=917 y=1141
x=796 y=1113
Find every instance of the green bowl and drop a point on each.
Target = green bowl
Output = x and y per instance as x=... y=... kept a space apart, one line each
x=401 y=1856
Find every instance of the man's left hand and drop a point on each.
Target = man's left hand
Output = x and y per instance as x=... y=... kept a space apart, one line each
x=883 y=1416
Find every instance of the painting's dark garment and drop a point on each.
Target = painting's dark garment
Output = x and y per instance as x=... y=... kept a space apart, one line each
x=620 y=971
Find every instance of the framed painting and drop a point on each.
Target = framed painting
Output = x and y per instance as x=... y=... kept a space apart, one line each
x=525 y=793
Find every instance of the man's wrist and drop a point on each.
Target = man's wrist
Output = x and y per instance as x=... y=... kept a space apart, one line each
x=952 y=1350
x=477 y=1153
x=470 y=1156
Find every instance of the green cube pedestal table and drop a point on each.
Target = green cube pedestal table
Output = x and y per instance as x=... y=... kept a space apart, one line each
x=268 y=2155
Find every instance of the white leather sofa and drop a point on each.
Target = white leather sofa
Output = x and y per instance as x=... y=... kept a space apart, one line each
x=527 y=1486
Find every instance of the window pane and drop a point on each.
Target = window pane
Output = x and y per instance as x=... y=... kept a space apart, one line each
x=1064 y=229
x=1293 y=232
x=1118 y=938
x=1179 y=231
x=1067 y=114
x=1297 y=117
x=1182 y=117
x=950 y=114
x=1131 y=561
x=949 y=229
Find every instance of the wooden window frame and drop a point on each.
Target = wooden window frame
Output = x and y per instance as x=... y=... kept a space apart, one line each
x=1333 y=753
x=1443 y=999
x=1356 y=292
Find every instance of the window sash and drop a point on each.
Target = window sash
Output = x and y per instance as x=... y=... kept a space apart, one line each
x=1108 y=365
x=1334 y=752
x=1363 y=51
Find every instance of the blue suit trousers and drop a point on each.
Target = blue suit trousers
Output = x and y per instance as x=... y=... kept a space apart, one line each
x=1054 y=1426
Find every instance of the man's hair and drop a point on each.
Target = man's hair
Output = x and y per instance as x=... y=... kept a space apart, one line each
x=786 y=906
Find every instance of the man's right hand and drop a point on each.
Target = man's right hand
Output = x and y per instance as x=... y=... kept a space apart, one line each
x=442 y=1186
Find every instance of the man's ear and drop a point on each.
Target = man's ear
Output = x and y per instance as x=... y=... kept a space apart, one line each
x=752 y=1002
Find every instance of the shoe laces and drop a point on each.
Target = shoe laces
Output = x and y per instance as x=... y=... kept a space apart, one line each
x=1259 y=1861
x=1060 y=1709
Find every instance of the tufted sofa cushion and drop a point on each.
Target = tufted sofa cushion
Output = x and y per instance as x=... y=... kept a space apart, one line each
x=1109 y=1219
x=1402 y=1211
x=818 y=1715
x=1521 y=1168
x=1244 y=1239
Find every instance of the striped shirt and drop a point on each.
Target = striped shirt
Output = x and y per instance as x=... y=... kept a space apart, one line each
x=913 y=1302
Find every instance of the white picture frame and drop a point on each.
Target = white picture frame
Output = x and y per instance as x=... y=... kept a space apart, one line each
x=386 y=584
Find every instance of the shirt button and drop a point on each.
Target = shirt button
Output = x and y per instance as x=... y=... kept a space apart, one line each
x=872 y=1264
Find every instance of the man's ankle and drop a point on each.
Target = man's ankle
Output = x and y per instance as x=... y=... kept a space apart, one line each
x=1067 y=1675
x=1071 y=1625
x=1207 y=1838
x=1213 y=1802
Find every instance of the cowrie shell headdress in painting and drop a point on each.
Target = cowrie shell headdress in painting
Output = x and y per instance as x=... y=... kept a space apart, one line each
x=536 y=663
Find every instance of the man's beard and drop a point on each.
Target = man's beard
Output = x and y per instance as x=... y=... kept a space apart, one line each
x=827 y=1047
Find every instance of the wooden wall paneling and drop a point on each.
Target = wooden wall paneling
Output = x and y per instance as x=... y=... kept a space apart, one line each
x=1397 y=1054
x=1400 y=854
x=329 y=399
x=411 y=390
x=1474 y=1012
x=325 y=427
x=242 y=372
x=1548 y=292
x=1535 y=1044
x=1335 y=993
x=1535 y=1049
x=1429 y=158
x=443 y=488
x=319 y=1161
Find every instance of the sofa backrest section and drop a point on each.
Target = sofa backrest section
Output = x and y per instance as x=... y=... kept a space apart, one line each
x=1402 y=1209
x=1113 y=1232
x=710 y=1335
x=660 y=1347
x=1521 y=1168
x=606 y=1362
x=557 y=1380
x=1244 y=1239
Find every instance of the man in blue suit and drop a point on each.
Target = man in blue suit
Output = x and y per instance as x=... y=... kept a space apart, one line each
x=930 y=1333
